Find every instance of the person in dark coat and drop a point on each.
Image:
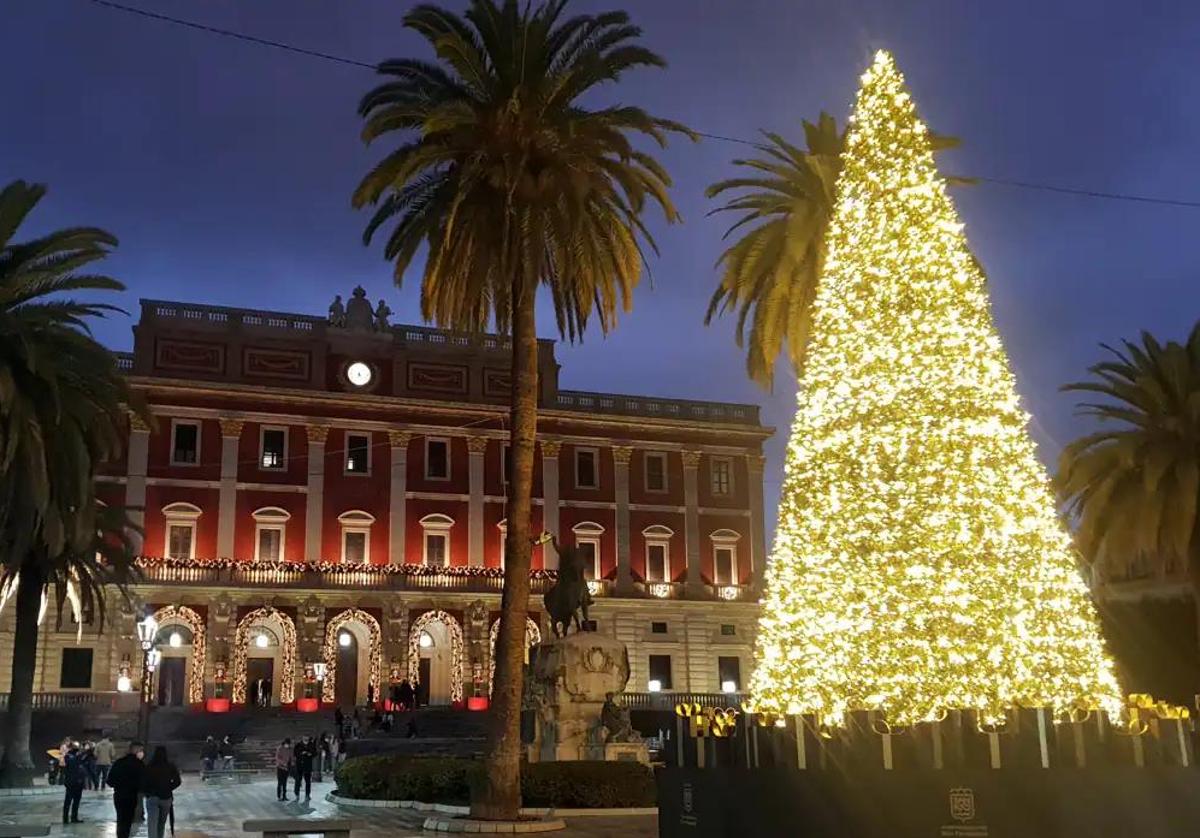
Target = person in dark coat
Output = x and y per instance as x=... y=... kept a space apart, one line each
x=75 y=780
x=340 y=719
x=125 y=779
x=159 y=781
x=406 y=694
x=303 y=755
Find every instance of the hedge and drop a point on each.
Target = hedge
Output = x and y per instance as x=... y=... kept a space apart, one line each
x=565 y=785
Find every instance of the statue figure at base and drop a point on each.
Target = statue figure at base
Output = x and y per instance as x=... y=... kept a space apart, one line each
x=568 y=598
x=616 y=723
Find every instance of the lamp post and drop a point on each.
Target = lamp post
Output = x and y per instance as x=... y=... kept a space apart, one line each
x=319 y=670
x=147 y=631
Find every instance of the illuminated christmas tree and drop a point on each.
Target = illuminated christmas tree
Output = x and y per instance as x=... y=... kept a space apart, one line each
x=919 y=564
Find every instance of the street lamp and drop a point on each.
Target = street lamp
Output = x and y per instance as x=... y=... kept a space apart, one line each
x=147 y=632
x=319 y=670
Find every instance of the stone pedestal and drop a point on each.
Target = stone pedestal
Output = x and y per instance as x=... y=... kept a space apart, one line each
x=568 y=683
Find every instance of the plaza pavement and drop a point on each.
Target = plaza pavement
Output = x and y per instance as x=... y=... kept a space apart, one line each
x=215 y=811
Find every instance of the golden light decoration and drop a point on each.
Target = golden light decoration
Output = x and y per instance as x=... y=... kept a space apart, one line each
x=374 y=651
x=919 y=563
x=457 y=667
x=533 y=636
x=182 y=615
x=287 y=650
x=661 y=590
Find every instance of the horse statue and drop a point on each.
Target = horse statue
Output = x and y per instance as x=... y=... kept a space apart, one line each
x=568 y=597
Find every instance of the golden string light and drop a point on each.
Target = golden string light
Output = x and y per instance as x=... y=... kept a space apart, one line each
x=919 y=563
x=182 y=615
x=457 y=664
x=287 y=651
x=374 y=651
x=533 y=636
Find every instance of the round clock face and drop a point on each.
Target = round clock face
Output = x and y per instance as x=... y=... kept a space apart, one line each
x=358 y=374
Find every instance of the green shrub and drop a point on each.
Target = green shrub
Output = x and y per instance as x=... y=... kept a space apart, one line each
x=565 y=785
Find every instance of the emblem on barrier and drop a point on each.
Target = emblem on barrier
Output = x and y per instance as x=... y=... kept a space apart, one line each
x=962 y=804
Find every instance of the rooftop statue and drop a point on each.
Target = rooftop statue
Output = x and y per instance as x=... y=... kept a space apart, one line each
x=359 y=315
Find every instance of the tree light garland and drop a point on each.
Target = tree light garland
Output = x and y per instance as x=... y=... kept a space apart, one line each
x=457 y=665
x=919 y=563
x=374 y=651
x=533 y=636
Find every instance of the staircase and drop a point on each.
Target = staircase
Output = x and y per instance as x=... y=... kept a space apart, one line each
x=440 y=732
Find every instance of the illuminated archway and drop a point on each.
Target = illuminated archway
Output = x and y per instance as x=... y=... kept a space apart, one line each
x=533 y=636
x=457 y=665
x=241 y=640
x=182 y=615
x=374 y=651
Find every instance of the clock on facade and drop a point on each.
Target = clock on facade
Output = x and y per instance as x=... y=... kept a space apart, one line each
x=359 y=374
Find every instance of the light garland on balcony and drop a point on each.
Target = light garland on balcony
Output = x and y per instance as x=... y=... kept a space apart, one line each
x=374 y=651
x=173 y=614
x=241 y=640
x=457 y=669
x=289 y=568
x=533 y=636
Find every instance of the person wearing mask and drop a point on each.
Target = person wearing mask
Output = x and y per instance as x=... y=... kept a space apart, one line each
x=226 y=753
x=302 y=756
x=159 y=781
x=104 y=758
x=209 y=754
x=283 y=768
x=125 y=779
x=74 y=780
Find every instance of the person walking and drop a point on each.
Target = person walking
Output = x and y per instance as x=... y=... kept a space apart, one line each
x=88 y=755
x=159 y=781
x=74 y=780
x=104 y=758
x=325 y=750
x=209 y=754
x=125 y=779
x=339 y=718
x=302 y=757
x=283 y=768
x=225 y=751
x=405 y=692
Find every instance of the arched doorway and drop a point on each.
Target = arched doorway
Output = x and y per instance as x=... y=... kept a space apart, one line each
x=182 y=639
x=353 y=654
x=533 y=636
x=267 y=637
x=435 y=651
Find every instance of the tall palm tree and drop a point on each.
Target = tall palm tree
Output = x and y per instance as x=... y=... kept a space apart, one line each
x=62 y=410
x=513 y=183
x=1132 y=486
x=769 y=274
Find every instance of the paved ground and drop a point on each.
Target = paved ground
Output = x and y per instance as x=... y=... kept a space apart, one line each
x=204 y=811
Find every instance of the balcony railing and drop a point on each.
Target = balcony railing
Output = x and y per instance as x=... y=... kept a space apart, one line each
x=685 y=409
x=59 y=700
x=668 y=700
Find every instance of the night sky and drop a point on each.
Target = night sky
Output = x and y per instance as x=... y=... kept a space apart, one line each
x=225 y=168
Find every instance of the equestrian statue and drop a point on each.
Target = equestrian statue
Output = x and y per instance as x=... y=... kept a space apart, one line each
x=568 y=598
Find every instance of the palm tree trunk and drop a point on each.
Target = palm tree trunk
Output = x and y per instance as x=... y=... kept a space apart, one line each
x=499 y=796
x=16 y=767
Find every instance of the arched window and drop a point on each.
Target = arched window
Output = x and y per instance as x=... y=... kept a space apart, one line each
x=658 y=553
x=179 y=540
x=436 y=539
x=356 y=536
x=587 y=539
x=270 y=527
x=725 y=558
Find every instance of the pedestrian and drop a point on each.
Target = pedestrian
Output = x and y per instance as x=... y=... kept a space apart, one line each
x=283 y=768
x=341 y=750
x=355 y=724
x=303 y=755
x=370 y=695
x=125 y=779
x=225 y=750
x=325 y=751
x=104 y=758
x=88 y=754
x=339 y=719
x=159 y=781
x=74 y=780
x=209 y=754
x=406 y=695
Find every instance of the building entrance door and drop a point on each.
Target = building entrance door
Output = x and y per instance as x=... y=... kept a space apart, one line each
x=172 y=673
x=346 y=689
x=423 y=685
x=259 y=676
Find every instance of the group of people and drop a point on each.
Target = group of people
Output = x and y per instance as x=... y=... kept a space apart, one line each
x=141 y=790
x=213 y=753
x=84 y=765
x=297 y=761
x=260 y=691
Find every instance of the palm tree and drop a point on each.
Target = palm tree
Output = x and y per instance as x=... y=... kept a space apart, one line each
x=62 y=410
x=769 y=274
x=1132 y=485
x=512 y=184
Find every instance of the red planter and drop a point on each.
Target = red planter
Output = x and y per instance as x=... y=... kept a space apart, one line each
x=477 y=703
x=308 y=705
x=216 y=705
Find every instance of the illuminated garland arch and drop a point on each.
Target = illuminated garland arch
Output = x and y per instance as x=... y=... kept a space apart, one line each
x=374 y=651
x=287 y=691
x=182 y=615
x=533 y=636
x=457 y=666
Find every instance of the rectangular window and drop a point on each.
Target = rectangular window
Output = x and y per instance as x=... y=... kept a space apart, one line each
x=270 y=544
x=358 y=453
x=724 y=566
x=658 y=627
x=76 y=672
x=354 y=547
x=436 y=549
x=273 y=445
x=728 y=630
x=587 y=472
x=180 y=541
x=656 y=472
x=729 y=674
x=437 y=459
x=722 y=476
x=660 y=671
x=657 y=567
x=590 y=549
x=185 y=443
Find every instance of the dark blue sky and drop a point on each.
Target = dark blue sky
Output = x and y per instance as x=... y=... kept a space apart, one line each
x=225 y=168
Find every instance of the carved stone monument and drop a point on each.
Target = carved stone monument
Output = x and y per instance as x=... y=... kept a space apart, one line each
x=572 y=687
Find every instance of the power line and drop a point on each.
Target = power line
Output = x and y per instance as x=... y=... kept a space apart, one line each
x=351 y=62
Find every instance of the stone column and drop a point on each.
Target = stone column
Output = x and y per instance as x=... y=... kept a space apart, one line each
x=691 y=522
x=231 y=434
x=135 y=474
x=397 y=525
x=476 y=448
x=755 y=464
x=315 y=507
x=550 y=452
x=621 y=457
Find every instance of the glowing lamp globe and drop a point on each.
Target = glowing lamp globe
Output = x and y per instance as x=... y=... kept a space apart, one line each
x=124 y=684
x=175 y=640
x=729 y=686
x=344 y=640
x=426 y=641
x=261 y=641
x=655 y=685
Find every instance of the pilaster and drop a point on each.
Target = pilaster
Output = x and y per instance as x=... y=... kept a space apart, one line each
x=396 y=499
x=550 y=451
x=231 y=434
x=315 y=507
x=476 y=448
x=137 y=460
x=755 y=464
x=691 y=521
x=621 y=457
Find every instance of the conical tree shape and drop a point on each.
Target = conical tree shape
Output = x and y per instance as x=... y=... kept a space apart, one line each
x=919 y=564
